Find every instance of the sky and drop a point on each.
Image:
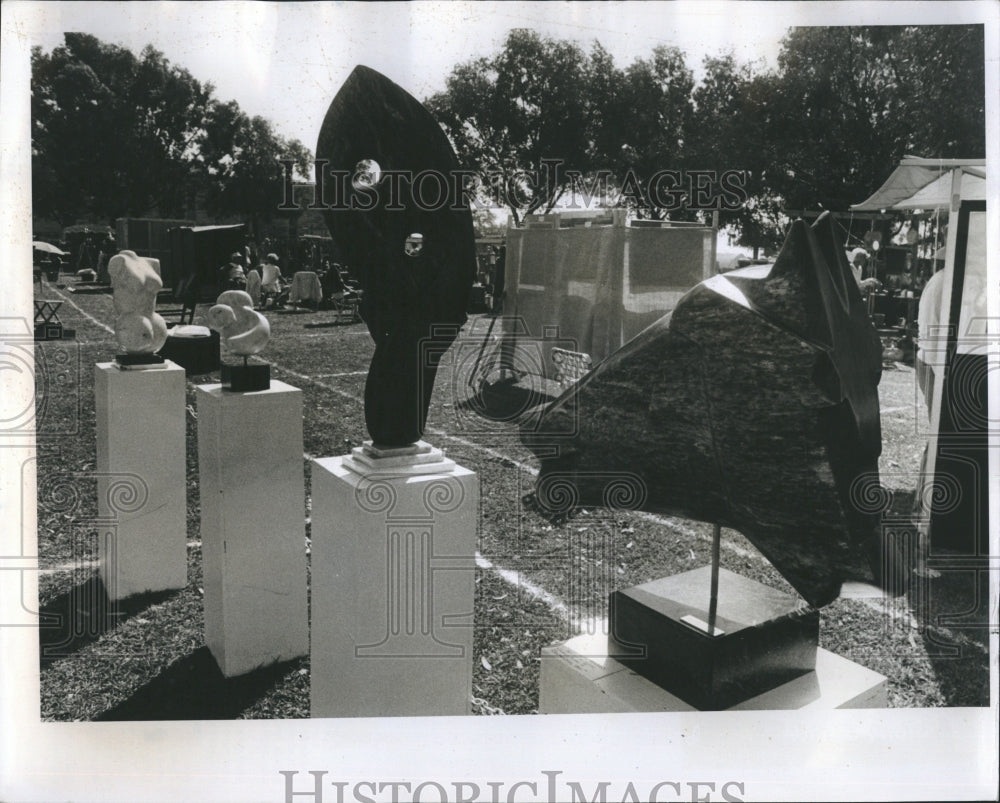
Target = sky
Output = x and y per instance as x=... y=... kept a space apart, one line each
x=286 y=61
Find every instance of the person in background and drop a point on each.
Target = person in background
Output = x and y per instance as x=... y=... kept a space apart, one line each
x=232 y=275
x=272 y=287
x=930 y=340
x=107 y=251
x=859 y=262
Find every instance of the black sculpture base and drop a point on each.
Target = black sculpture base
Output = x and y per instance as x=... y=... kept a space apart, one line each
x=53 y=331
x=763 y=637
x=138 y=361
x=196 y=354
x=245 y=378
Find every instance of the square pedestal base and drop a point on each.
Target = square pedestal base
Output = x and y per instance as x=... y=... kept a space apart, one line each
x=248 y=378
x=141 y=486
x=252 y=526
x=578 y=677
x=763 y=638
x=393 y=587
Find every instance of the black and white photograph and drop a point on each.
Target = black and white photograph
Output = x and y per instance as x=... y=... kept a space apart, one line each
x=499 y=401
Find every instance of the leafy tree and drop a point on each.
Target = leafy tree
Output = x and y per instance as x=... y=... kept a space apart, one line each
x=734 y=110
x=118 y=135
x=856 y=100
x=511 y=117
x=241 y=156
x=652 y=126
x=541 y=101
x=112 y=134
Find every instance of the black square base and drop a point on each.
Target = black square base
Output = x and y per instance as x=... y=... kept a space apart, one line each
x=132 y=360
x=49 y=331
x=245 y=378
x=768 y=637
x=196 y=355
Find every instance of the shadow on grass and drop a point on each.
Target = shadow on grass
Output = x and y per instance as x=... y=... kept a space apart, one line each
x=506 y=402
x=82 y=615
x=948 y=596
x=950 y=601
x=328 y=324
x=193 y=687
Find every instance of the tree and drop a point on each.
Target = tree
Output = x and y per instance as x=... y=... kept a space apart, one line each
x=115 y=135
x=653 y=114
x=112 y=134
x=731 y=132
x=856 y=100
x=512 y=117
x=242 y=158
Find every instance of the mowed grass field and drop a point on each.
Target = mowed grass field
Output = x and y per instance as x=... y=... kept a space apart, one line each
x=540 y=580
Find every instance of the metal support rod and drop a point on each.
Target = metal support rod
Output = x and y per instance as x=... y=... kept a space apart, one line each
x=713 y=602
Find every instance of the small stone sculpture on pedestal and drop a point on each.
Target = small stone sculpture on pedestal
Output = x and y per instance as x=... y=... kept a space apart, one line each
x=244 y=332
x=138 y=329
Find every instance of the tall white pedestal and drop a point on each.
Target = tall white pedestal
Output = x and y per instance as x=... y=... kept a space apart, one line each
x=579 y=677
x=141 y=491
x=252 y=526
x=393 y=587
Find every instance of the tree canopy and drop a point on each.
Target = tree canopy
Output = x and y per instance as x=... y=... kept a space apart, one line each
x=116 y=135
x=821 y=131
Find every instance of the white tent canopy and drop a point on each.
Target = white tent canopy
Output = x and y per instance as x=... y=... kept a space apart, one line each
x=926 y=184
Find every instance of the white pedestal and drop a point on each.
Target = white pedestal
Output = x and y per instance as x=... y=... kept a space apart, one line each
x=141 y=491
x=252 y=526
x=393 y=587
x=578 y=677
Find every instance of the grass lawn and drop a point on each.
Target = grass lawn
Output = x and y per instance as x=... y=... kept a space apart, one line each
x=540 y=580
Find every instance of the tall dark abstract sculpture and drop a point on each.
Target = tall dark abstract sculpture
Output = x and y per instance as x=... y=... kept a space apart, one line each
x=754 y=404
x=401 y=224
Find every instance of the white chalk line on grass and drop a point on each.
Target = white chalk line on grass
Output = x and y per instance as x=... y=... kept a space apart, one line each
x=64 y=568
x=536 y=592
x=84 y=313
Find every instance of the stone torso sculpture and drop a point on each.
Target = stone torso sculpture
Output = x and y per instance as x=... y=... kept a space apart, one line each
x=138 y=329
x=753 y=404
x=413 y=303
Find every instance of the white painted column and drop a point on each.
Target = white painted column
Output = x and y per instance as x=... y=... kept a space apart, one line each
x=141 y=491
x=252 y=526
x=393 y=585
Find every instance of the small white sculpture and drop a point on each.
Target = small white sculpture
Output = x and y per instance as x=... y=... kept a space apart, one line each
x=244 y=330
x=136 y=281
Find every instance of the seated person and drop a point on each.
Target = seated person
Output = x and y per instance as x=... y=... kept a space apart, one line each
x=272 y=286
x=332 y=282
x=231 y=275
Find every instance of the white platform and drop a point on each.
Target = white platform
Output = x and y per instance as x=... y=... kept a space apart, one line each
x=252 y=526
x=393 y=587
x=141 y=490
x=578 y=677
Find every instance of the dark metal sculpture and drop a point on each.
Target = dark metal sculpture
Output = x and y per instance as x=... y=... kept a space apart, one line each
x=402 y=180
x=754 y=404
